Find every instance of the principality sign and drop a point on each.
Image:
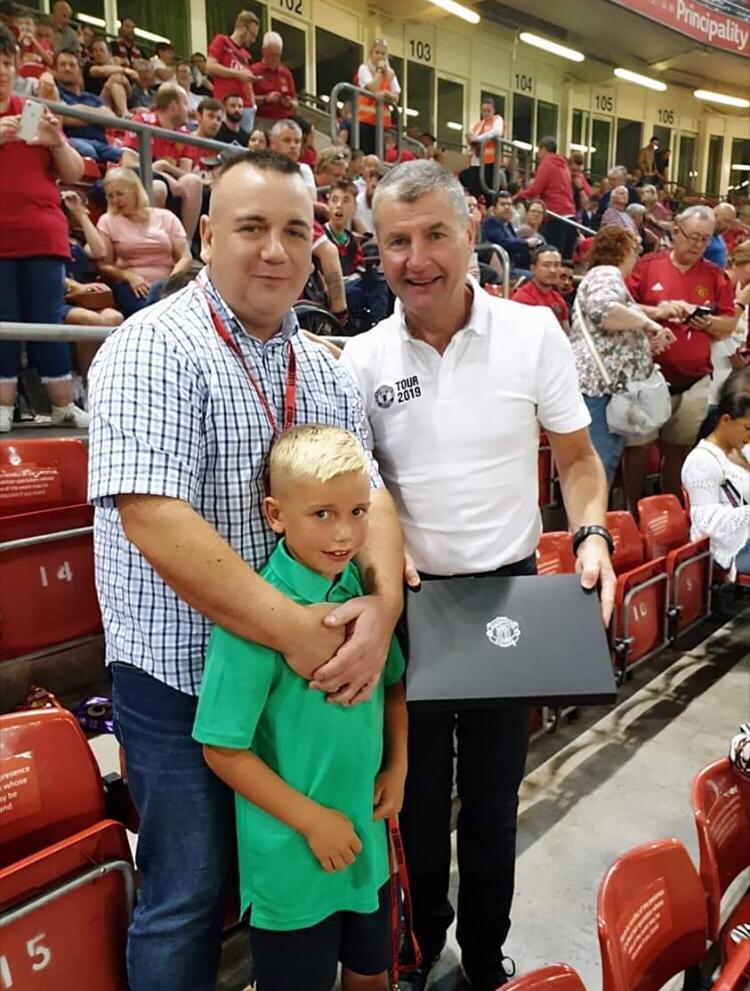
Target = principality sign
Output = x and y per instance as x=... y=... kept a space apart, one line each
x=708 y=26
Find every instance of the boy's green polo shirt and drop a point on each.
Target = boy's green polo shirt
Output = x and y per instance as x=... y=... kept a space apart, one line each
x=251 y=699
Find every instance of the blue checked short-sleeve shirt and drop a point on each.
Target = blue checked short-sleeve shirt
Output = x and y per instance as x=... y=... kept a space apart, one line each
x=173 y=414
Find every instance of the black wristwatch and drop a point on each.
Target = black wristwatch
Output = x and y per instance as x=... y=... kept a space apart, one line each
x=592 y=531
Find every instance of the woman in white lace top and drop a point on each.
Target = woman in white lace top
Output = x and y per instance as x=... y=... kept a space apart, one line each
x=716 y=477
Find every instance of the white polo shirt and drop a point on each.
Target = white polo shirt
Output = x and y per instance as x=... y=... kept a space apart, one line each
x=457 y=436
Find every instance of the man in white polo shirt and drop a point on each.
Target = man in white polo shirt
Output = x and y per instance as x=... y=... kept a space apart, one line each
x=456 y=385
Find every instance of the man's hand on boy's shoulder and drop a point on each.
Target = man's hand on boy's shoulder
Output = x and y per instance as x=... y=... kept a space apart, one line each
x=331 y=837
x=389 y=792
x=352 y=674
x=314 y=642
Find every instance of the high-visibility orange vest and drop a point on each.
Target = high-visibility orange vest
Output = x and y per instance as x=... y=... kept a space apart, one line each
x=489 y=148
x=367 y=106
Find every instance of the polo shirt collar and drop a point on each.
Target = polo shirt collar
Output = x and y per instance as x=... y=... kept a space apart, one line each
x=479 y=317
x=308 y=583
x=289 y=325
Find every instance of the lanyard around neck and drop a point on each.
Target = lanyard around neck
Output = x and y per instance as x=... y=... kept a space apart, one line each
x=290 y=391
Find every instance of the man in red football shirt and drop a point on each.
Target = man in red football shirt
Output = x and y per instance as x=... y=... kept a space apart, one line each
x=670 y=286
x=229 y=62
x=276 y=94
x=173 y=166
x=542 y=290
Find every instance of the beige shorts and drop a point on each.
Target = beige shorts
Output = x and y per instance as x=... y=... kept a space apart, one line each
x=688 y=412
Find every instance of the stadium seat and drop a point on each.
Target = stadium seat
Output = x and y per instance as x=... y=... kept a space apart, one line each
x=51 y=786
x=639 y=623
x=735 y=975
x=556 y=977
x=64 y=913
x=651 y=917
x=666 y=531
x=545 y=472
x=721 y=805
x=42 y=474
x=554 y=555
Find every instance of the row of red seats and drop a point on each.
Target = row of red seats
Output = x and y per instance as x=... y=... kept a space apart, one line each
x=67 y=884
x=663 y=578
x=656 y=914
x=47 y=590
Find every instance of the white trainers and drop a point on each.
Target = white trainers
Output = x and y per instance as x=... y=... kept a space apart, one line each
x=6 y=419
x=70 y=416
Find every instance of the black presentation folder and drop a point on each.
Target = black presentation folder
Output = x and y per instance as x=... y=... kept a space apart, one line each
x=493 y=640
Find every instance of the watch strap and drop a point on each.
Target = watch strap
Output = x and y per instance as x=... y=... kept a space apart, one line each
x=592 y=531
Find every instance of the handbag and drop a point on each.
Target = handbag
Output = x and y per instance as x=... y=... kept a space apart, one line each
x=96 y=296
x=638 y=407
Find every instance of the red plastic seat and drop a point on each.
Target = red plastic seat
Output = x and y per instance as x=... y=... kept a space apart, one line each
x=721 y=806
x=734 y=975
x=51 y=786
x=556 y=977
x=64 y=913
x=554 y=555
x=42 y=474
x=665 y=528
x=651 y=917
x=545 y=472
x=639 y=623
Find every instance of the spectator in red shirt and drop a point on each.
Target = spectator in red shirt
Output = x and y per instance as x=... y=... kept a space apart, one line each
x=669 y=286
x=34 y=245
x=229 y=65
x=308 y=155
x=391 y=150
x=173 y=166
x=124 y=47
x=36 y=55
x=276 y=94
x=728 y=227
x=658 y=218
x=553 y=184
x=542 y=290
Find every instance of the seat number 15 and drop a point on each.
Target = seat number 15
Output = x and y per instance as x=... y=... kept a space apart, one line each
x=39 y=954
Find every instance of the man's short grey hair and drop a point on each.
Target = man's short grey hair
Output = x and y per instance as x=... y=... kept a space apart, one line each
x=698 y=212
x=635 y=209
x=272 y=39
x=286 y=125
x=410 y=181
x=617 y=170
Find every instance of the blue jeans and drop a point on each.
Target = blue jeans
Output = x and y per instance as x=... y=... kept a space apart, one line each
x=100 y=151
x=608 y=446
x=185 y=840
x=742 y=561
x=128 y=303
x=32 y=290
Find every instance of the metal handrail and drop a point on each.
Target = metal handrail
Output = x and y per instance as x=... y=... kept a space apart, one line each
x=568 y=220
x=498 y=141
x=45 y=538
x=504 y=257
x=145 y=133
x=380 y=99
x=54 y=894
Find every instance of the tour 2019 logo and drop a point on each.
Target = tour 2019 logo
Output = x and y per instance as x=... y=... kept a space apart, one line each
x=401 y=391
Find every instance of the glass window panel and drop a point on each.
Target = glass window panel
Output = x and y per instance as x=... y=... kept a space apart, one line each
x=295 y=51
x=579 y=127
x=739 y=179
x=628 y=142
x=419 y=94
x=221 y=15
x=546 y=120
x=686 y=174
x=713 y=174
x=601 y=131
x=336 y=60
x=168 y=19
x=450 y=111
x=94 y=8
x=523 y=118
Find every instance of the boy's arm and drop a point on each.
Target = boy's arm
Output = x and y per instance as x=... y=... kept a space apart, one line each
x=389 y=784
x=329 y=833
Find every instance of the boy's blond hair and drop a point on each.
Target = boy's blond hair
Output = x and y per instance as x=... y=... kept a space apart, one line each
x=315 y=450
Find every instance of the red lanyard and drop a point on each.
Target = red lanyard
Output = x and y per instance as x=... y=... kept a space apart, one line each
x=290 y=392
x=402 y=932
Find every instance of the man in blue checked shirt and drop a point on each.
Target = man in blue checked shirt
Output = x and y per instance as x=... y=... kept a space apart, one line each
x=186 y=398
